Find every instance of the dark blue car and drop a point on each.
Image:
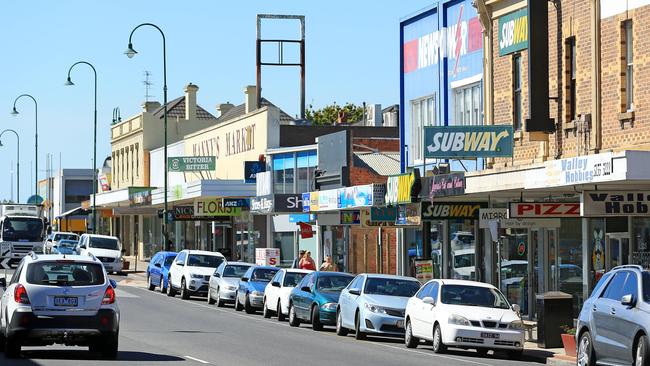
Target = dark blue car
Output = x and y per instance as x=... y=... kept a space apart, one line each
x=250 y=292
x=158 y=270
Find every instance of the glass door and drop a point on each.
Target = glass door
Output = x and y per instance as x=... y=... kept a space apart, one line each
x=618 y=248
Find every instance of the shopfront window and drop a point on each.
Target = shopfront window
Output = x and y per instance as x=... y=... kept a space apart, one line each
x=462 y=239
x=334 y=244
x=284 y=241
x=641 y=241
x=514 y=266
x=306 y=164
x=568 y=265
x=293 y=172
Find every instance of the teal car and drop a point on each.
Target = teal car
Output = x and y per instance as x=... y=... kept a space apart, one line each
x=316 y=298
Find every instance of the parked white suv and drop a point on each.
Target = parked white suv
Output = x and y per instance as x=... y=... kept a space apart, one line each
x=190 y=273
x=59 y=299
x=107 y=249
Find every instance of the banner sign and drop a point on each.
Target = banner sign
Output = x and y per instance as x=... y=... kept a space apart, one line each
x=294 y=218
x=447 y=185
x=617 y=203
x=264 y=183
x=513 y=32
x=214 y=207
x=350 y=217
x=306 y=231
x=306 y=202
x=327 y=200
x=579 y=170
x=455 y=142
x=403 y=188
x=103 y=182
x=366 y=217
x=191 y=163
x=251 y=169
x=356 y=196
x=140 y=196
x=545 y=209
x=451 y=210
x=408 y=214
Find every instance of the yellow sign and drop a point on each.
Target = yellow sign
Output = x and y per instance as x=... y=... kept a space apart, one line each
x=313 y=201
x=399 y=188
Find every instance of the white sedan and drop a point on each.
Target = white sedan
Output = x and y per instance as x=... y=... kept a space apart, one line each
x=276 y=294
x=463 y=314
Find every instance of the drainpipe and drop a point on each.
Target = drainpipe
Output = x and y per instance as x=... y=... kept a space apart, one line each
x=596 y=131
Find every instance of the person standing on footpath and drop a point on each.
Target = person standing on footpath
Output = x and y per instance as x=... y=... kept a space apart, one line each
x=296 y=261
x=328 y=265
x=307 y=262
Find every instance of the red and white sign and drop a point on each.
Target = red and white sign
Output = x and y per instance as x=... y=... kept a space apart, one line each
x=267 y=256
x=306 y=231
x=545 y=209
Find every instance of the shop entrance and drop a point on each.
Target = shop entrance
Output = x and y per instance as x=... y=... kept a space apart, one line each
x=618 y=247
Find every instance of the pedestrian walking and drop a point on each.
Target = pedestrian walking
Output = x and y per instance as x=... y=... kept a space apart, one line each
x=296 y=261
x=328 y=265
x=307 y=262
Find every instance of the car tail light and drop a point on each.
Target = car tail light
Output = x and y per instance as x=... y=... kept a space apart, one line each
x=109 y=296
x=20 y=295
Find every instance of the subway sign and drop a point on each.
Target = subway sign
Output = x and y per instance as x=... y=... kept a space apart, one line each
x=513 y=32
x=454 y=142
x=451 y=210
x=403 y=188
x=545 y=209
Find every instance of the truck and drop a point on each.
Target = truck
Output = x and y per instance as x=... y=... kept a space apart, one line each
x=22 y=230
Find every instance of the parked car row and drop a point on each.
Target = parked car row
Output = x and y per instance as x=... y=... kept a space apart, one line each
x=448 y=313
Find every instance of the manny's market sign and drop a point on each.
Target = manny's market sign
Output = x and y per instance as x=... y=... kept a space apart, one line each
x=454 y=142
x=451 y=210
x=617 y=203
x=403 y=188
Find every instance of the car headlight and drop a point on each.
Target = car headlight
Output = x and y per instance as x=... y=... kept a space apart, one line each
x=231 y=288
x=257 y=293
x=517 y=324
x=194 y=275
x=331 y=306
x=459 y=320
x=375 y=308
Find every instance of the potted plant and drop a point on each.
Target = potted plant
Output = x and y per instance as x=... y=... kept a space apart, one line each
x=569 y=340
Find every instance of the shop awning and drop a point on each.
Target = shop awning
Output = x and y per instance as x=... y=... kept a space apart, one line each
x=79 y=211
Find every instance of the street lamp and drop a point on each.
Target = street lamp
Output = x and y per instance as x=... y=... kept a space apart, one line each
x=70 y=83
x=130 y=52
x=17 y=161
x=14 y=112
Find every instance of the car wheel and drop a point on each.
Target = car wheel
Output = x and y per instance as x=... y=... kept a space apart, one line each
x=12 y=347
x=641 y=353
x=586 y=356
x=340 y=329
x=210 y=299
x=170 y=289
x=293 y=319
x=247 y=305
x=163 y=289
x=151 y=285
x=438 y=346
x=184 y=294
x=358 y=333
x=515 y=355
x=315 y=318
x=279 y=312
x=265 y=310
x=219 y=301
x=109 y=348
x=409 y=339
x=238 y=306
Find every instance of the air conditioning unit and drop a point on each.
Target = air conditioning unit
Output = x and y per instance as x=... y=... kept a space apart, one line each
x=373 y=115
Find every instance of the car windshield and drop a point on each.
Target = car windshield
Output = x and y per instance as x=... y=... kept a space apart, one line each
x=204 y=260
x=22 y=229
x=464 y=260
x=235 y=270
x=263 y=274
x=65 y=237
x=169 y=260
x=291 y=279
x=465 y=239
x=391 y=287
x=65 y=273
x=333 y=283
x=473 y=296
x=103 y=243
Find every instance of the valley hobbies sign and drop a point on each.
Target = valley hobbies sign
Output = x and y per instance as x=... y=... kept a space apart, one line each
x=513 y=32
x=455 y=142
x=618 y=203
x=191 y=163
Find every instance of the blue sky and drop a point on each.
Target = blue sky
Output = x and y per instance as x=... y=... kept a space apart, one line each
x=352 y=55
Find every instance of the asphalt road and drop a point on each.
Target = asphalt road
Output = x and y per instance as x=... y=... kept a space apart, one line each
x=158 y=330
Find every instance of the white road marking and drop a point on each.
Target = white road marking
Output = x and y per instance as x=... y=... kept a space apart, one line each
x=196 y=359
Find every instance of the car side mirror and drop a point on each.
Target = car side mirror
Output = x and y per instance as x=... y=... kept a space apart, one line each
x=305 y=288
x=113 y=283
x=123 y=251
x=244 y=279
x=180 y=263
x=627 y=300
x=429 y=300
x=217 y=274
x=515 y=308
x=3 y=283
x=82 y=246
x=275 y=284
x=354 y=291
x=157 y=265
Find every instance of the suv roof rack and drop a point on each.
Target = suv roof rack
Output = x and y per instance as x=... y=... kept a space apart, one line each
x=91 y=255
x=631 y=266
x=33 y=255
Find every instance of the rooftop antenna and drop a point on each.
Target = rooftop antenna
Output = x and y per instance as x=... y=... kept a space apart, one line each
x=147 y=85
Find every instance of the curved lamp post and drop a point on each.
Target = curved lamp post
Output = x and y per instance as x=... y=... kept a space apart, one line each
x=70 y=83
x=130 y=52
x=17 y=161
x=14 y=112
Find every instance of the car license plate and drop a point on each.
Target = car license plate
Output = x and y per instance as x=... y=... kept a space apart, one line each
x=400 y=324
x=66 y=301
x=490 y=335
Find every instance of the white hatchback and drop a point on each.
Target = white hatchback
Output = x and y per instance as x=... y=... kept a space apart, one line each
x=276 y=293
x=463 y=314
x=59 y=299
x=191 y=271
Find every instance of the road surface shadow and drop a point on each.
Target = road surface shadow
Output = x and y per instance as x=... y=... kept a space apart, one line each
x=528 y=356
x=45 y=354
